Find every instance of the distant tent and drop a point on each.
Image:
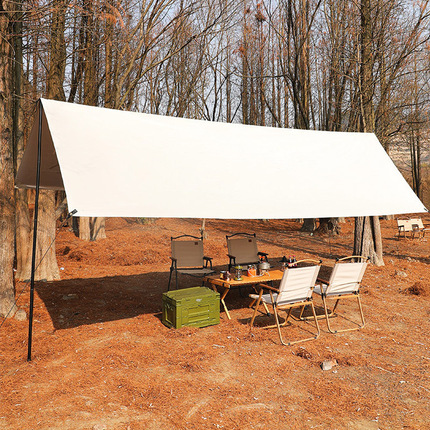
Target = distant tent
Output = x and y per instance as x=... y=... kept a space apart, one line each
x=115 y=163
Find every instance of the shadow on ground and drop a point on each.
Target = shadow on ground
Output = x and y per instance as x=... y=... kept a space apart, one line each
x=76 y=302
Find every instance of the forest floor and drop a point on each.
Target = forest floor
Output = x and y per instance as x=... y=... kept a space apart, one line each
x=102 y=359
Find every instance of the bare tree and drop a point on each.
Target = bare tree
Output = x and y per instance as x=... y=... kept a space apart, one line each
x=415 y=128
x=23 y=221
x=367 y=236
x=7 y=198
x=380 y=75
x=297 y=20
x=45 y=247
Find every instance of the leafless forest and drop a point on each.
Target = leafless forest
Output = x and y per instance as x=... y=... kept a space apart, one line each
x=356 y=65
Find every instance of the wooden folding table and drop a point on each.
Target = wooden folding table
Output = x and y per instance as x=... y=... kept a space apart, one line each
x=215 y=281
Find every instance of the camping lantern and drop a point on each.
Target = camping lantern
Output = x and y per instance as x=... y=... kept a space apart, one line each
x=238 y=274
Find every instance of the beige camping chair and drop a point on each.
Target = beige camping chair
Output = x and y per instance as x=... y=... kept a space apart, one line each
x=295 y=290
x=344 y=283
x=243 y=250
x=403 y=227
x=418 y=227
x=412 y=226
x=188 y=258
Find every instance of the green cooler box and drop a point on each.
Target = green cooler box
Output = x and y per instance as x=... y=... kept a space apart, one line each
x=196 y=307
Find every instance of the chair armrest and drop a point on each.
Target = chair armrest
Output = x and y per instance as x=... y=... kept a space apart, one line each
x=232 y=261
x=267 y=287
x=208 y=260
x=174 y=264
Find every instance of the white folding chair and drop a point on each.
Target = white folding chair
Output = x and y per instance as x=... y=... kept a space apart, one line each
x=344 y=283
x=295 y=290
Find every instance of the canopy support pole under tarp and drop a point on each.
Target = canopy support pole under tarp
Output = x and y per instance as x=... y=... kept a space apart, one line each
x=36 y=213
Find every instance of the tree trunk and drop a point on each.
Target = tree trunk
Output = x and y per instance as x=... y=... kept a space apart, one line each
x=48 y=267
x=90 y=228
x=309 y=225
x=328 y=225
x=23 y=236
x=98 y=231
x=244 y=57
x=7 y=198
x=46 y=261
x=84 y=228
x=368 y=240
x=23 y=221
x=57 y=60
x=108 y=62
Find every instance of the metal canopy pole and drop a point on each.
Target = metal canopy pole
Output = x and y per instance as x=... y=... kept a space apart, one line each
x=36 y=213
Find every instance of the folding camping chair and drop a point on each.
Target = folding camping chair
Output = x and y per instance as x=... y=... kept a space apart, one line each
x=188 y=258
x=413 y=227
x=344 y=283
x=242 y=249
x=295 y=290
x=418 y=227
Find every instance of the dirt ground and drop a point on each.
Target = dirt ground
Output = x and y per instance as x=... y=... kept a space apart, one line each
x=102 y=359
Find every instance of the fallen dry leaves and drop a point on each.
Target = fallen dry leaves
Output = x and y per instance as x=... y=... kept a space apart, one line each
x=103 y=359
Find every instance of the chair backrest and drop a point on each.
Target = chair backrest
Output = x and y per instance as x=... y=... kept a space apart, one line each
x=188 y=253
x=346 y=278
x=418 y=222
x=406 y=225
x=402 y=225
x=297 y=284
x=243 y=248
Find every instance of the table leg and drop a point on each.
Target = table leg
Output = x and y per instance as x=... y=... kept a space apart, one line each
x=222 y=297
x=225 y=309
x=223 y=302
x=264 y=304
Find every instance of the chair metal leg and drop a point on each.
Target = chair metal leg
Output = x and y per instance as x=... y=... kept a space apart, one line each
x=275 y=311
x=300 y=340
x=316 y=321
x=363 y=323
x=264 y=305
x=335 y=306
x=288 y=315
x=266 y=309
x=359 y=326
x=301 y=312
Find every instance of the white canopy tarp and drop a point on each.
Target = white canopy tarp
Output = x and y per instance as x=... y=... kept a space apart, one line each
x=114 y=163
